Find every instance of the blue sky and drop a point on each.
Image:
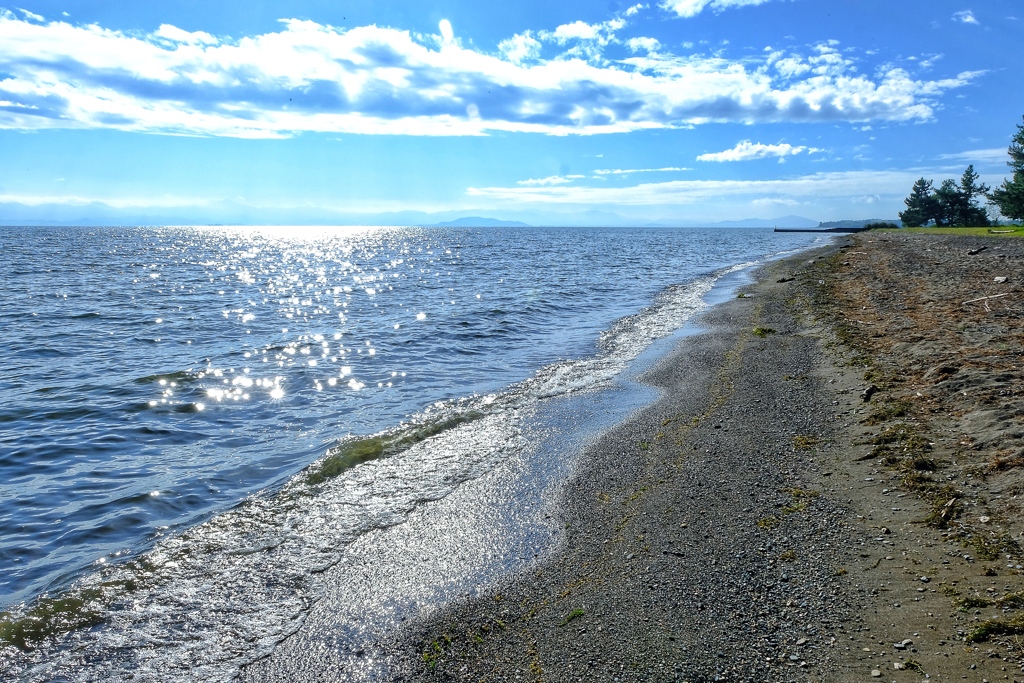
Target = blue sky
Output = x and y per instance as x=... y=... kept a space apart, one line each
x=677 y=112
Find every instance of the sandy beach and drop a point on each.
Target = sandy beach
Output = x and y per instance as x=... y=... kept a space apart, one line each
x=828 y=490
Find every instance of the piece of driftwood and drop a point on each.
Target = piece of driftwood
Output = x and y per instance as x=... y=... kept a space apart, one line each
x=985 y=299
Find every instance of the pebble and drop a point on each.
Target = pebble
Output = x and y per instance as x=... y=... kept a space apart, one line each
x=876 y=673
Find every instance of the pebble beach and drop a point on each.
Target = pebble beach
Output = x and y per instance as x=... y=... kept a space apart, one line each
x=813 y=498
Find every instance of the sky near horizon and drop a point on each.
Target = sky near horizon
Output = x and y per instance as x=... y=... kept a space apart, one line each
x=678 y=112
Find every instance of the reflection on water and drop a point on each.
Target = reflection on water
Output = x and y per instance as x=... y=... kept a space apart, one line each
x=156 y=377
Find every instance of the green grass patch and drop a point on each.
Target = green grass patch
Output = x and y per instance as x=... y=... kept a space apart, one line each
x=805 y=442
x=763 y=331
x=889 y=410
x=49 y=617
x=988 y=547
x=767 y=523
x=435 y=650
x=972 y=602
x=796 y=506
x=347 y=455
x=575 y=614
x=997 y=627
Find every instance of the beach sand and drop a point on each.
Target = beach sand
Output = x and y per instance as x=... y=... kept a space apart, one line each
x=828 y=490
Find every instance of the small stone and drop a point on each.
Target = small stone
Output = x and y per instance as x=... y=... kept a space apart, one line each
x=925 y=579
x=875 y=673
x=1000 y=280
x=801 y=641
x=629 y=556
x=899 y=666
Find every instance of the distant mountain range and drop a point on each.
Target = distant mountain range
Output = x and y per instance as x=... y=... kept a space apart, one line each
x=782 y=222
x=479 y=222
x=233 y=213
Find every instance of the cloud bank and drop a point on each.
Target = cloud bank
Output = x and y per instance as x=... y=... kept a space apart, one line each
x=311 y=77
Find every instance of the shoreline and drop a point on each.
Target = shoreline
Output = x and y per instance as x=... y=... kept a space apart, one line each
x=746 y=527
x=461 y=546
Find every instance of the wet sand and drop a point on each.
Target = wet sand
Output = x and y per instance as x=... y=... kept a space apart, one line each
x=827 y=491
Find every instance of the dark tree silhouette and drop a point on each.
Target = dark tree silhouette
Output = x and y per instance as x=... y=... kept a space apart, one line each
x=920 y=205
x=1009 y=196
x=951 y=205
x=968 y=212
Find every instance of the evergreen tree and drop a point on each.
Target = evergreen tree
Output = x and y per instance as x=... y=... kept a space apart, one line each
x=921 y=206
x=1009 y=196
x=947 y=204
x=956 y=203
x=969 y=214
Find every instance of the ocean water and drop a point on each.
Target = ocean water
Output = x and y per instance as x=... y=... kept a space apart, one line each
x=195 y=422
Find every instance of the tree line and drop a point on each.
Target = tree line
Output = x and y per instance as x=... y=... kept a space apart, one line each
x=957 y=204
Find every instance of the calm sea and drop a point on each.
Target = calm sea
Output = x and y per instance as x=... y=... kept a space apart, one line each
x=185 y=412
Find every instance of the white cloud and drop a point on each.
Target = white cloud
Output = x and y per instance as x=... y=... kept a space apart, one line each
x=848 y=185
x=589 y=38
x=310 y=77
x=577 y=30
x=634 y=10
x=775 y=201
x=447 y=34
x=691 y=8
x=998 y=155
x=520 y=48
x=966 y=17
x=177 y=35
x=643 y=44
x=550 y=180
x=31 y=15
x=624 y=171
x=747 y=150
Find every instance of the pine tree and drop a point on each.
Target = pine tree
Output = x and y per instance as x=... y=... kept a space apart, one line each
x=1009 y=196
x=969 y=214
x=957 y=204
x=947 y=201
x=921 y=205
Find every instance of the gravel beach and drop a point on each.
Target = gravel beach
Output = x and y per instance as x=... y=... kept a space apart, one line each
x=827 y=491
